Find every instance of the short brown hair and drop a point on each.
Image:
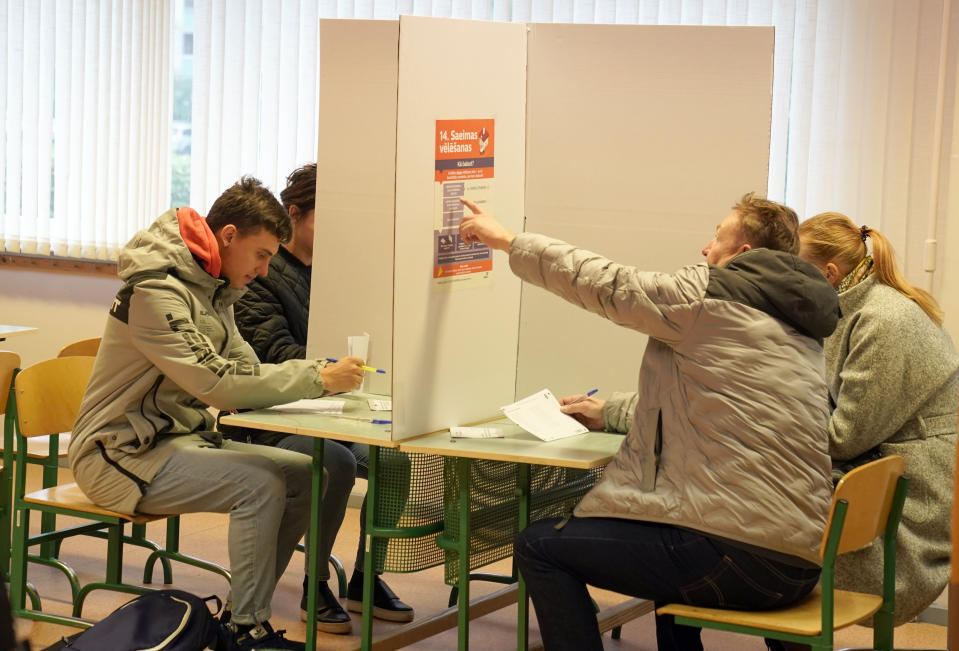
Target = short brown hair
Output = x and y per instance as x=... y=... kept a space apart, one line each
x=249 y=205
x=300 y=190
x=768 y=224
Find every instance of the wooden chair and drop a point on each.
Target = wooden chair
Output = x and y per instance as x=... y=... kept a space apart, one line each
x=50 y=453
x=82 y=348
x=38 y=449
x=48 y=397
x=9 y=366
x=867 y=502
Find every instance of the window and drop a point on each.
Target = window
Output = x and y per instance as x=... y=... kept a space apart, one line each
x=853 y=125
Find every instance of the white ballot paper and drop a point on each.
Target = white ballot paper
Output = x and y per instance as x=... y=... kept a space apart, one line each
x=379 y=404
x=312 y=406
x=359 y=346
x=476 y=433
x=539 y=415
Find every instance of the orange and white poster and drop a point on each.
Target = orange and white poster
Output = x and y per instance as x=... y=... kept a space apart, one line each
x=464 y=168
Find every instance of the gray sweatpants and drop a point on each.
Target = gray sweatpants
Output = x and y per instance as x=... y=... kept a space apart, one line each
x=265 y=490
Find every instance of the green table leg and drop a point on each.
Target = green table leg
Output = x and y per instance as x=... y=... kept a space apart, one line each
x=522 y=603
x=366 y=636
x=463 y=469
x=313 y=563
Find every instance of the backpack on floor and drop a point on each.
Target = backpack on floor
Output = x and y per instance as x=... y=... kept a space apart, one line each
x=172 y=620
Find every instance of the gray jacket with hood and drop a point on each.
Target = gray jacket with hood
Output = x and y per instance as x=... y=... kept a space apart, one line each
x=170 y=349
x=727 y=434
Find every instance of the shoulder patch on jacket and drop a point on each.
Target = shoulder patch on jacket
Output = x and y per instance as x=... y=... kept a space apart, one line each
x=121 y=303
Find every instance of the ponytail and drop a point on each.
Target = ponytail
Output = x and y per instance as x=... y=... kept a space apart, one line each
x=833 y=237
x=885 y=268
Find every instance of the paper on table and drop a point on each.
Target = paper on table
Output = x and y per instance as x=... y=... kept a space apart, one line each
x=539 y=415
x=476 y=433
x=312 y=406
x=379 y=405
x=359 y=346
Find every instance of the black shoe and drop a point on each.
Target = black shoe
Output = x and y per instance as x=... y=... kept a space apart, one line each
x=386 y=605
x=262 y=636
x=330 y=616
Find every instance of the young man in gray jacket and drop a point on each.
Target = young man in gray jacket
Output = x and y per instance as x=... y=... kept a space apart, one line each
x=719 y=494
x=144 y=440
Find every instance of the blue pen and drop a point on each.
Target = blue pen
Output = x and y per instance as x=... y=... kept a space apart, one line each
x=365 y=368
x=363 y=419
x=588 y=394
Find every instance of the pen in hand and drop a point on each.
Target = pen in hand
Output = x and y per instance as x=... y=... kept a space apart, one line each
x=365 y=368
x=583 y=397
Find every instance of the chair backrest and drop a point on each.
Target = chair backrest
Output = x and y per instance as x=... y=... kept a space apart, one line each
x=9 y=362
x=84 y=348
x=49 y=394
x=868 y=490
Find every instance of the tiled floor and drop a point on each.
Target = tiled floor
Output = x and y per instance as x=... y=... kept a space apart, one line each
x=205 y=535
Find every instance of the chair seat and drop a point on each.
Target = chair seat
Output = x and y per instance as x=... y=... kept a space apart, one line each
x=70 y=496
x=803 y=618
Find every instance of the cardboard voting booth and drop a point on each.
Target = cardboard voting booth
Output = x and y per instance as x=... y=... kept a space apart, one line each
x=632 y=141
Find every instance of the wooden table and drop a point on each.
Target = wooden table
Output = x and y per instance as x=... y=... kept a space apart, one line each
x=330 y=426
x=584 y=451
x=14 y=330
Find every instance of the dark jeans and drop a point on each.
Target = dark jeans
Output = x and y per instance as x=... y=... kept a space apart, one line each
x=647 y=560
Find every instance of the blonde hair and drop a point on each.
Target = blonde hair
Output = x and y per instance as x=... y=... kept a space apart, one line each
x=833 y=237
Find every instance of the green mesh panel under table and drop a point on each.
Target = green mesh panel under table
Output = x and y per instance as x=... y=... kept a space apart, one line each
x=409 y=511
x=494 y=517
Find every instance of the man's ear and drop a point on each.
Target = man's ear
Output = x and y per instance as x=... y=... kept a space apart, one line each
x=745 y=247
x=227 y=234
x=832 y=273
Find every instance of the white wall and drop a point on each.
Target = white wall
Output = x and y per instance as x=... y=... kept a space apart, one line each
x=65 y=306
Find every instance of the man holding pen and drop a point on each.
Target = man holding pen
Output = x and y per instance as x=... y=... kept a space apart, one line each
x=719 y=493
x=144 y=440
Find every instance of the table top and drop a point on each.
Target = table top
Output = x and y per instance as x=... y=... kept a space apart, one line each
x=583 y=451
x=12 y=330
x=326 y=426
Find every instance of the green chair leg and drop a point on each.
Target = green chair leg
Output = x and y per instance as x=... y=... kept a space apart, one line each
x=166 y=556
x=18 y=564
x=34 y=596
x=337 y=568
x=340 y=574
x=57 y=564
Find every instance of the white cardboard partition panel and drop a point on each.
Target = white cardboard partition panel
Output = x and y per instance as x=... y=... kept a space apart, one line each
x=639 y=140
x=451 y=353
x=352 y=290
x=631 y=141
x=454 y=357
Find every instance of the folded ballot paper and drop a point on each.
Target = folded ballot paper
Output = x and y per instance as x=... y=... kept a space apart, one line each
x=539 y=415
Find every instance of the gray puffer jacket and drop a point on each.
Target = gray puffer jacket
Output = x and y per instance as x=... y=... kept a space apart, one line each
x=728 y=434
x=170 y=349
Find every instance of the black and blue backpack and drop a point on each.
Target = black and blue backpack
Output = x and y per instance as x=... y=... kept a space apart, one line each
x=172 y=620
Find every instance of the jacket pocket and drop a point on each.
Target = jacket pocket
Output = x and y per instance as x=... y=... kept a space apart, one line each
x=650 y=431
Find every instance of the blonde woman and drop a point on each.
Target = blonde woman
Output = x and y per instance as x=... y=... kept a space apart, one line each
x=893 y=377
